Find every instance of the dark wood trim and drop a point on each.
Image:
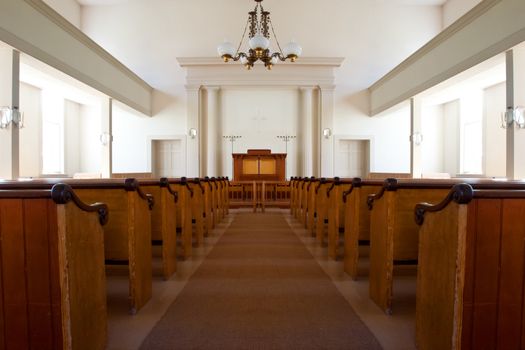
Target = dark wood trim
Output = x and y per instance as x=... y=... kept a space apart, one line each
x=322 y=181
x=184 y=182
x=198 y=182
x=63 y=194
x=464 y=193
x=133 y=185
x=164 y=182
x=389 y=184
x=337 y=182
x=23 y=194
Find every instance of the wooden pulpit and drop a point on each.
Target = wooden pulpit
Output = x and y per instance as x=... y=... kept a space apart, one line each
x=259 y=165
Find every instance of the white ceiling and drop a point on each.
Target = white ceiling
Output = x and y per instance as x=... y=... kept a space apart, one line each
x=402 y=2
x=372 y=35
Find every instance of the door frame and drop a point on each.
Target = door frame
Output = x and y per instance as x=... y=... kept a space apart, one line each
x=369 y=156
x=150 y=149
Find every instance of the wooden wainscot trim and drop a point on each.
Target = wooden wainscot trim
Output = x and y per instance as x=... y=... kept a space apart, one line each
x=460 y=193
x=389 y=184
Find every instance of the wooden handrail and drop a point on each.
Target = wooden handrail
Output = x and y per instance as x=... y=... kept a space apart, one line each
x=164 y=182
x=63 y=194
x=389 y=184
x=337 y=182
x=184 y=182
x=131 y=184
x=356 y=182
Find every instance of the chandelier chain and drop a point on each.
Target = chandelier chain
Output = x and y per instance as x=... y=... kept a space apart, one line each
x=242 y=39
x=276 y=40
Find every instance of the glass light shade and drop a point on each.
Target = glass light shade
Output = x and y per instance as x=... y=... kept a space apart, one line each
x=244 y=60
x=226 y=48
x=292 y=49
x=259 y=42
x=274 y=60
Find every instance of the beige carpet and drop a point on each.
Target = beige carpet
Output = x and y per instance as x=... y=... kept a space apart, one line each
x=260 y=288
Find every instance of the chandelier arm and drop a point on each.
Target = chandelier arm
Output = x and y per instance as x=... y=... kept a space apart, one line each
x=276 y=40
x=279 y=56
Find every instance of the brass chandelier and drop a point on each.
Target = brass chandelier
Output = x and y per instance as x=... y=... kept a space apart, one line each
x=259 y=25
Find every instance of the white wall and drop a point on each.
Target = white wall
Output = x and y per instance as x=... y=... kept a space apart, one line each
x=31 y=133
x=259 y=116
x=494 y=103
x=89 y=143
x=432 y=127
x=454 y=9
x=451 y=115
x=69 y=9
x=132 y=131
x=71 y=137
x=389 y=133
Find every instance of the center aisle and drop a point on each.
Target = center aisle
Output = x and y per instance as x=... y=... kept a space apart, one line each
x=260 y=288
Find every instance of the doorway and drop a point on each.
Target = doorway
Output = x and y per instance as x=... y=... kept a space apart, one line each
x=168 y=158
x=352 y=158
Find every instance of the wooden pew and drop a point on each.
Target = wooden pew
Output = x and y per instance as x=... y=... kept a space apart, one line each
x=225 y=196
x=197 y=210
x=127 y=236
x=470 y=282
x=293 y=195
x=302 y=200
x=336 y=215
x=311 y=197
x=357 y=221
x=320 y=225
x=52 y=283
x=163 y=222
x=393 y=232
x=208 y=206
x=183 y=214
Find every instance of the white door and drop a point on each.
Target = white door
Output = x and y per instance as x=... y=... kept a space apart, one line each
x=352 y=158
x=168 y=158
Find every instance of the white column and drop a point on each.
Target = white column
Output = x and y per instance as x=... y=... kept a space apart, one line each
x=213 y=132
x=516 y=97
x=327 y=123
x=193 y=122
x=9 y=97
x=308 y=137
x=415 y=137
x=106 y=138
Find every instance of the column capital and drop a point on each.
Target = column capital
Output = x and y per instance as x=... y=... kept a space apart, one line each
x=307 y=88
x=327 y=87
x=192 y=88
x=213 y=88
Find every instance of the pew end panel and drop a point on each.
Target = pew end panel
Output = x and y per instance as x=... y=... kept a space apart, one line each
x=480 y=266
x=442 y=241
x=382 y=223
x=357 y=226
x=52 y=271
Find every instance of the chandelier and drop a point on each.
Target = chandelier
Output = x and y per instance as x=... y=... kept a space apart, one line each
x=259 y=24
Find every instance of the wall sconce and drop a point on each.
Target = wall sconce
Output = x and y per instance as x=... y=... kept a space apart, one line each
x=105 y=138
x=10 y=115
x=417 y=138
x=513 y=116
x=327 y=133
x=193 y=133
